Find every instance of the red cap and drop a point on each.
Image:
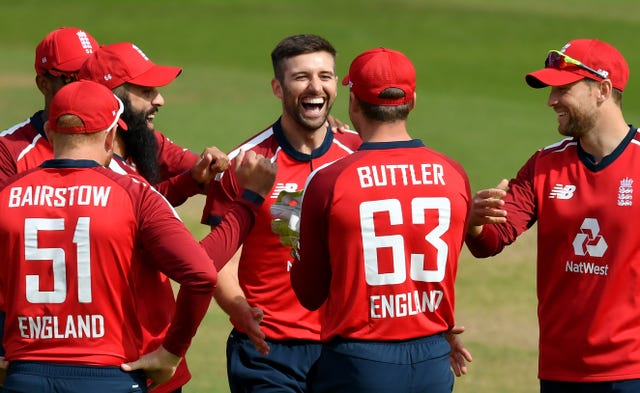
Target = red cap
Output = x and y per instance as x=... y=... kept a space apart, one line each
x=63 y=51
x=97 y=107
x=116 y=64
x=378 y=69
x=593 y=53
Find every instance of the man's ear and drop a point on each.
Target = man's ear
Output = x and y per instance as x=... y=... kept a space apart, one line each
x=605 y=90
x=47 y=130
x=276 y=87
x=110 y=138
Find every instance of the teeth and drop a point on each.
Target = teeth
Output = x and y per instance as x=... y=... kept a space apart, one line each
x=318 y=101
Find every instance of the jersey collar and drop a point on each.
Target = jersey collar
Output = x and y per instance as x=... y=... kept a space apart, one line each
x=68 y=163
x=589 y=161
x=391 y=145
x=291 y=151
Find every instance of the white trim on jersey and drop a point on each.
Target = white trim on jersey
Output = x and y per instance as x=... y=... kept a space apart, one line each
x=248 y=145
x=28 y=148
x=31 y=145
x=13 y=129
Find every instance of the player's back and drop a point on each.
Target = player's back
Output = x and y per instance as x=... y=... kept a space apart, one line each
x=396 y=221
x=69 y=233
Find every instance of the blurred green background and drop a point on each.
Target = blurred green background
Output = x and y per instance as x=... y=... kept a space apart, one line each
x=470 y=55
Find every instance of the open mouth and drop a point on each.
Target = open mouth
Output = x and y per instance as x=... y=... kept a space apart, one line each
x=313 y=105
x=150 y=118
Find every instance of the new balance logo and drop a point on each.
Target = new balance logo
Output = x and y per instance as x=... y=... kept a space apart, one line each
x=560 y=191
x=290 y=187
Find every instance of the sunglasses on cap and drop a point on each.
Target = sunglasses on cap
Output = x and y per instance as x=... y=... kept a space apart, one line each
x=560 y=61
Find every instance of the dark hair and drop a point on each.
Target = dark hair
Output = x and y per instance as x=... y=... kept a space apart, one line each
x=298 y=45
x=387 y=113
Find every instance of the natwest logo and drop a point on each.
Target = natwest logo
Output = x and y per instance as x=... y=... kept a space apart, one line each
x=589 y=241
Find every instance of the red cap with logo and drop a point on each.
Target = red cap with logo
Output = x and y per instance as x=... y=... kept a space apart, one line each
x=378 y=69
x=97 y=107
x=578 y=59
x=116 y=64
x=63 y=51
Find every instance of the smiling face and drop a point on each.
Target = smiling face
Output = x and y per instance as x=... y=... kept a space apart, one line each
x=308 y=88
x=576 y=107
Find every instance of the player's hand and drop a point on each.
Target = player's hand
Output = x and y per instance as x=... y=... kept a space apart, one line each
x=459 y=354
x=337 y=126
x=255 y=172
x=159 y=366
x=249 y=320
x=4 y=365
x=286 y=223
x=487 y=208
x=211 y=162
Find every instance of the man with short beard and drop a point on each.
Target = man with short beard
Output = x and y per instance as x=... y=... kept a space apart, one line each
x=580 y=191
x=256 y=283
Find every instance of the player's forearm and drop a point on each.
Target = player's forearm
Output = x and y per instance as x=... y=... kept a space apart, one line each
x=190 y=310
x=225 y=238
x=485 y=242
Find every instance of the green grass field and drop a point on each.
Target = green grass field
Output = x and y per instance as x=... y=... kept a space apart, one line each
x=471 y=57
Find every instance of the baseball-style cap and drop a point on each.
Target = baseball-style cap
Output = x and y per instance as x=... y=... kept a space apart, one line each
x=116 y=64
x=63 y=51
x=578 y=59
x=378 y=69
x=97 y=107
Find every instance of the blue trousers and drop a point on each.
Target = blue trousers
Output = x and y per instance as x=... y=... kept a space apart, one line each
x=41 y=377
x=627 y=386
x=284 y=370
x=412 y=366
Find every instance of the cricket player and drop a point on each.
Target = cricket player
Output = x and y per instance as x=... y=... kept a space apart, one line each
x=381 y=232
x=580 y=191
x=71 y=229
x=277 y=354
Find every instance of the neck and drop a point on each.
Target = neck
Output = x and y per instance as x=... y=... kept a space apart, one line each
x=87 y=153
x=605 y=136
x=119 y=147
x=302 y=139
x=384 y=131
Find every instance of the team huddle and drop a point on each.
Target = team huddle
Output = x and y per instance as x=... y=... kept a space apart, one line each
x=333 y=251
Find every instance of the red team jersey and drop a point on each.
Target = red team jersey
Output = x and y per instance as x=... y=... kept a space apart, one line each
x=588 y=257
x=24 y=146
x=264 y=265
x=381 y=233
x=70 y=232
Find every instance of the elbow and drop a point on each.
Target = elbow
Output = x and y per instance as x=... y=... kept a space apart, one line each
x=205 y=281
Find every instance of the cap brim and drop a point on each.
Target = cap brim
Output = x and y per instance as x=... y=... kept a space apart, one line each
x=345 y=80
x=156 y=76
x=70 y=66
x=551 y=77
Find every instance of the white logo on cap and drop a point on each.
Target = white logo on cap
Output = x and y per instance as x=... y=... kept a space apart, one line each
x=43 y=60
x=85 y=42
x=108 y=77
x=141 y=52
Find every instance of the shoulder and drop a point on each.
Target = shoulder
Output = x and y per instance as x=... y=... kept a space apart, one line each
x=20 y=135
x=263 y=143
x=565 y=145
x=349 y=138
